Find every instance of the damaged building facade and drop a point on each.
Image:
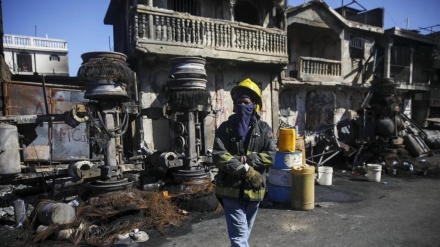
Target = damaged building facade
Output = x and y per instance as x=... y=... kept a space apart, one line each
x=330 y=66
x=335 y=54
x=228 y=41
x=235 y=46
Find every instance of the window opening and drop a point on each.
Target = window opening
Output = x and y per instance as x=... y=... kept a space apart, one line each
x=54 y=57
x=187 y=6
x=24 y=62
x=400 y=55
x=357 y=47
x=245 y=12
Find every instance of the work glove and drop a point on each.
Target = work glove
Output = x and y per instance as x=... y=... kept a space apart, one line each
x=254 y=160
x=241 y=171
x=254 y=179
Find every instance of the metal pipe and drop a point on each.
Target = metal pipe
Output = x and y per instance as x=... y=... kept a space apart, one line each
x=47 y=84
x=191 y=135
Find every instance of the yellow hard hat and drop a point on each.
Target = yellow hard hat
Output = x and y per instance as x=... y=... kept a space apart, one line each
x=249 y=84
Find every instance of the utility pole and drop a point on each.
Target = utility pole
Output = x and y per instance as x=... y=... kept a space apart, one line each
x=1 y=31
x=407 y=23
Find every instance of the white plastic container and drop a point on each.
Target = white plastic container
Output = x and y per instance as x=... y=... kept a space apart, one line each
x=374 y=172
x=325 y=175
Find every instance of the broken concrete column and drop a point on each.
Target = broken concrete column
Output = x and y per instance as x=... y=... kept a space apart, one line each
x=56 y=213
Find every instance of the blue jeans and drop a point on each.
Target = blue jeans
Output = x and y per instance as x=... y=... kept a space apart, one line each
x=240 y=216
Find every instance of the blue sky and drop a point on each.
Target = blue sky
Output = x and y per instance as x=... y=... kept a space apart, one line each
x=81 y=22
x=417 y=13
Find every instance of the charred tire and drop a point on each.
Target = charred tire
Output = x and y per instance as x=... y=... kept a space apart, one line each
x=205 y=203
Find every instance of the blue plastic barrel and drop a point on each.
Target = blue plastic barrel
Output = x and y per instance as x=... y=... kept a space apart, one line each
x=285 y=160
x=279 y=194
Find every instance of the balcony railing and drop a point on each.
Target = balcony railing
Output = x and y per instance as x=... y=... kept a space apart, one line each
x=18 y=41
x=314 y=69
x=150 y=26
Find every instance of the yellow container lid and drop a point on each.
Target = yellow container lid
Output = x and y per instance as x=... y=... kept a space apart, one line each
x=303 y=169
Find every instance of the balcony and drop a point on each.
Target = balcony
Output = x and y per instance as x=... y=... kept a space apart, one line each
x=162 y=31
x=315 y=69
x=34 y=43
x=418 y=79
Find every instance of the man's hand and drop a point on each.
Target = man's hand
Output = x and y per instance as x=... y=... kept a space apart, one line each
x=254 y=179
x=242 y=170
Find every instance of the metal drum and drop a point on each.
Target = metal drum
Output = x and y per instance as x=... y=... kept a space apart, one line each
x=105 y=75
x=279 y=185
x=286 y=160
x=9 y=150
x=279 y=194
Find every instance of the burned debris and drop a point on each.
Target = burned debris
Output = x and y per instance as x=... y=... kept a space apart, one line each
x=379 y=134
x=96 y=186
x=383 y=131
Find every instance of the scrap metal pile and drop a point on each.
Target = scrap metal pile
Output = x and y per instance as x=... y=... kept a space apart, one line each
x=379 y=134
x=106 y=219
x=78 y=142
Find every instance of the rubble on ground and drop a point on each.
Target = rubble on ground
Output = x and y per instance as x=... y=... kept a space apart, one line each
x=105 y=219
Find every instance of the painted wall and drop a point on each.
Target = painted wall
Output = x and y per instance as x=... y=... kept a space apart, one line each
x=310 y=107
x=40 y=63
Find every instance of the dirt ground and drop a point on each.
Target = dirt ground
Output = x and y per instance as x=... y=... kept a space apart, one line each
x=401 y=210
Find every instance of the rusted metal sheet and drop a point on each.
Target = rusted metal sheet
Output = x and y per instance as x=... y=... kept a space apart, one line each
x=64 y=99
x=47 y=139
x=36 y=142
x=28 y=98
x=24 y=99
x=67 y=143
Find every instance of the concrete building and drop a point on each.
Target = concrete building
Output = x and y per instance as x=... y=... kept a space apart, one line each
x=27 y=55
x=331 y=63
x=335 y=54
x=409 y=58
x=314 y=64
x=238 y=39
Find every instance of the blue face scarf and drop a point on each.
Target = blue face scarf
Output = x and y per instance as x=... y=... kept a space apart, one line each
x=244 y=115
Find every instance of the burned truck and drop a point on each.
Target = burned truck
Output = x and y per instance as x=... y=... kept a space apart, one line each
x=54 y=135
x=382 y=133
